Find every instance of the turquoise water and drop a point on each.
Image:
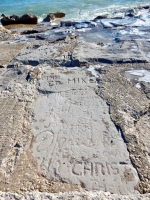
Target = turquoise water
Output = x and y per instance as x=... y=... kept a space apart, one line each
x=74 y=9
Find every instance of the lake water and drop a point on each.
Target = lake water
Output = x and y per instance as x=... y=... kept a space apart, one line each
x=74 y=9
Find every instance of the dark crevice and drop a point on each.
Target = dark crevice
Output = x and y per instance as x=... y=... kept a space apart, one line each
x=45 y=91
x=17 y=145
x=123 y=163
x=28 y=76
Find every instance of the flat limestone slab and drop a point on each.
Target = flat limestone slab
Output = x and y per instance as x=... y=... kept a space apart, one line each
x=8 y=52
x=75 y=139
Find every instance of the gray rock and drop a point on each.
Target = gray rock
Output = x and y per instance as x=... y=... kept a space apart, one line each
x=25 y=19
x=100 y=17
x=109 y=23
x=130 y=13
x=53 y=16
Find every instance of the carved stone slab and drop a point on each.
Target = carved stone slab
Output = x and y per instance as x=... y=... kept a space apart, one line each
x=75 y=139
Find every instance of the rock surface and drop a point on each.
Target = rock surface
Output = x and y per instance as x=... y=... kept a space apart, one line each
x=72 y=196
x=8 y=52
x=78 y=126
x=14 y=19
x=75 y=110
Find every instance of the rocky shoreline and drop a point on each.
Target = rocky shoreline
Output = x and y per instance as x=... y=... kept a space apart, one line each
x=75 y=108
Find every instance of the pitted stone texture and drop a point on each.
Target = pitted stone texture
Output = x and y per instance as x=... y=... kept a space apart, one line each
x=85 y=195
x=75 y=139
x=8 y=52
x=129 y=108
x=143 y=127
x=119 y=52
x=11 y=118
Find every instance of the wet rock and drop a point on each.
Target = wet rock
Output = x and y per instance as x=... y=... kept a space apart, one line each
x=106 y=23
x=109 y=23
x=82 y=25
x=77 y=24
x=143 y=7
x=14 y=19
x=29 y=18
x=100 y=17
x=117 y=17
x=130 y=13
x=53 y=16
x=68 y=23
x=53 y=36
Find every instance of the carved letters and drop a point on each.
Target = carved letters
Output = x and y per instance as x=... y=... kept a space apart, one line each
x=81 y=168
x=53 y=78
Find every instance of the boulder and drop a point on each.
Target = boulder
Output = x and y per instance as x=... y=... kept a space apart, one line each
x=14 y=19
x=100 y=17
x=143 y=7
x=130 y=13
x=52 y=16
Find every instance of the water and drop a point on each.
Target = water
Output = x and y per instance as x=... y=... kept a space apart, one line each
x=74 y=9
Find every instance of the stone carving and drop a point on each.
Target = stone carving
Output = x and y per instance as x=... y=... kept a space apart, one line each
x=72 y=142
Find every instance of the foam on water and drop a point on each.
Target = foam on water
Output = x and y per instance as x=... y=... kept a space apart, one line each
x=74 y=9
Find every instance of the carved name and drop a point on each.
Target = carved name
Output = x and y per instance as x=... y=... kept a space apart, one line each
x=92 y=168
x=56 y=78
